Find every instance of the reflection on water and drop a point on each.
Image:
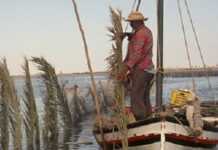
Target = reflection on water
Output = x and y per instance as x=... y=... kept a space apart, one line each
x=80 y=136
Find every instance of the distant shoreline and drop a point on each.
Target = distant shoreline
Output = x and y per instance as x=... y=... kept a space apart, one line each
x=173 y=72
x=168 y=72
x=196 y=72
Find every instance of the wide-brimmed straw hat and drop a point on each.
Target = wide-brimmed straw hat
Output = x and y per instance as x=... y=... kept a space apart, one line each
x=136 y=16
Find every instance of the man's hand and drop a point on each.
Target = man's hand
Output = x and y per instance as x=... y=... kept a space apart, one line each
x=122 y=75
x=126 y=34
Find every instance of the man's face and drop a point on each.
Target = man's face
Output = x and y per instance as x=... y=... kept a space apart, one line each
x=135 y=24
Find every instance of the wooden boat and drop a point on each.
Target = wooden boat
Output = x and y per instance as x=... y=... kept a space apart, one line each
x=162 y=131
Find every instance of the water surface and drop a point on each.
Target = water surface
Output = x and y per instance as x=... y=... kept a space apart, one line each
x=80 y=136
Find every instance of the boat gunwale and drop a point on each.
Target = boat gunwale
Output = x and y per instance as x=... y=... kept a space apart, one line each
x=155 y=120
x=170 y=137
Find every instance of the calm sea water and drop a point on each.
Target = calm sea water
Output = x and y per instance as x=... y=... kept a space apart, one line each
x=80 y=136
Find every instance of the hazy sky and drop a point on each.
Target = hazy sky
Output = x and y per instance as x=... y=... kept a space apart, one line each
x=48 y=28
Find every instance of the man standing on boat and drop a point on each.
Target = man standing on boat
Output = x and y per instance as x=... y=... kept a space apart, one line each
x=138 y=65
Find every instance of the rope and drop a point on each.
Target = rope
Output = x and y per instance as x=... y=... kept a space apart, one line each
x=177 y=119
x=138 y=5
x=186 y=43
x=199 y=47
x=133 y=5
x=132 y=8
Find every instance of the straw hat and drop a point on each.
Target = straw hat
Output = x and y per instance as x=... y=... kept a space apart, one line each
x=136 y=16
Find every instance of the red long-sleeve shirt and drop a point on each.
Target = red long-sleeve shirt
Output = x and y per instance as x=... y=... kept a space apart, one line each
x=139 y=52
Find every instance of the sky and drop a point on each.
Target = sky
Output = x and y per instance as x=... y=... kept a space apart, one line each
x=48 y=28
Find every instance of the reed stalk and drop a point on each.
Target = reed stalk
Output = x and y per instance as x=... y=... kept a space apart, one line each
x=31 y=120
x=13 y=108
x=115 y=67
x=50 y=131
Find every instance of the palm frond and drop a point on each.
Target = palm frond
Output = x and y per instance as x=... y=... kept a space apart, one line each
x=4 y=123
x=50 y=134
x=61 y=97
x=116 y=31
x=30 y=115
x=55 y=102
x=63 y=103
x=13 y=104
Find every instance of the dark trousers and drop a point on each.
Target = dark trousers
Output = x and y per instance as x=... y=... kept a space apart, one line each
x=140 y=93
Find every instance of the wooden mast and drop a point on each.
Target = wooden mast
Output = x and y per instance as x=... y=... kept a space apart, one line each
x=159 y=74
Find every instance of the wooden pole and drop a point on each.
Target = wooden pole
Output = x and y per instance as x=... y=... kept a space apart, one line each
x=159 y=75
x=97 y=101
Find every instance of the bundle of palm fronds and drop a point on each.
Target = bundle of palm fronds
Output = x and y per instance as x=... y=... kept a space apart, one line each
x=115 y=67
x=11 y=107
x=31 y=121
x=116 y=32
x=50 y=130
x=55 y=101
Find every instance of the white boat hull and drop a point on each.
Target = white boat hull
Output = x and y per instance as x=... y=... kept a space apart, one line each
x=161 y=135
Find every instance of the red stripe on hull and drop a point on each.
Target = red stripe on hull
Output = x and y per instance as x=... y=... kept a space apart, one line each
x=172 y=137
x=136 y=139
x=192 y=139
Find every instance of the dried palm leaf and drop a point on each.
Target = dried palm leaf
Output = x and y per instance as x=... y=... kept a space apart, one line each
x=63 y=103
x=56 y=98
x=50 y=130
x=59 y=89
x=4 y=122
x=13 y=104
x=115 y=67
x=31 y=121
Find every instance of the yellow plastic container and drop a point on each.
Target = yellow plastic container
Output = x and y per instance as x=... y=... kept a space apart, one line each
x=180 y=97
